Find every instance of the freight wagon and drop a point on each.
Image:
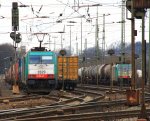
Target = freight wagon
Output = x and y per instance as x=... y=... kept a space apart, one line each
x=103 y=74
x=67 y=72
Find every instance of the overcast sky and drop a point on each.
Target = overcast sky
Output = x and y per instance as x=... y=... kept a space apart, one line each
x=42 y=16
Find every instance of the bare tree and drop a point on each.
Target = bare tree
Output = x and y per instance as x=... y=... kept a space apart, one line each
x=6 y=55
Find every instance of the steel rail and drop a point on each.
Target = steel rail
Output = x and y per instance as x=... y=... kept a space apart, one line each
x=25 y=97
x=88 y=116
x=23 y=111
x=64 y=109
x=101 y=87
x=71 y=109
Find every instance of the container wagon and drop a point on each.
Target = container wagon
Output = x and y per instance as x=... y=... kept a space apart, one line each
x=67 y=72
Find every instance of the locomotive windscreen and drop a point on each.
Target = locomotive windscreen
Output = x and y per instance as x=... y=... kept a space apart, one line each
x=36 y=59
x=124 y=70
x=46 y=59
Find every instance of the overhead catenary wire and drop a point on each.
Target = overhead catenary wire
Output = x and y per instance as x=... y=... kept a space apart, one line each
x=42 y=24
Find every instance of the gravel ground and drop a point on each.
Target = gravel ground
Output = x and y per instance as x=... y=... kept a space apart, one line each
x=25 y=104
x=5 y=91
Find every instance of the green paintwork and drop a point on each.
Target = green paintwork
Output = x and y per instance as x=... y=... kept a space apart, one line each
x=54 y=60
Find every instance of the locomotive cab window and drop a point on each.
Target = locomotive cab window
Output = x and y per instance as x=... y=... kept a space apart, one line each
x=34 y=59
x=46 y=59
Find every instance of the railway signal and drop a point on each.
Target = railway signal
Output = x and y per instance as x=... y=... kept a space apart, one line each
x=15 y=17
x=16 y=37
x=63 y=53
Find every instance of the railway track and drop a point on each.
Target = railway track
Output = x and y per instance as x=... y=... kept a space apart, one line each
x=88 y=116
x=93 y=95
x=50 y=110
x=70 y=105
x=26 y=97
x=64 y=100
x=74 y=106
x=114 y=94
x=27 y=101
x=106 y=89
x=36 y=109
x=65 y=109
x=102 y=87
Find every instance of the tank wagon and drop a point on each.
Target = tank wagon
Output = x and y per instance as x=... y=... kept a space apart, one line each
x=103 y=74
